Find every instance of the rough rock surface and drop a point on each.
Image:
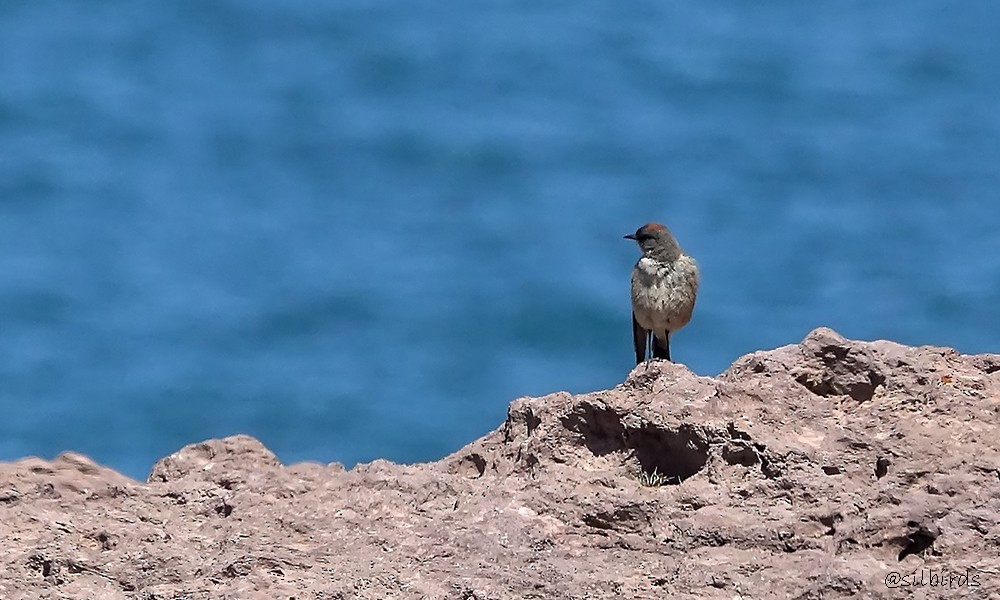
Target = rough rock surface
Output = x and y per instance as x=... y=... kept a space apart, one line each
x=812 y=471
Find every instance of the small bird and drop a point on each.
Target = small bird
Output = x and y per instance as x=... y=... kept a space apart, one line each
x=664 y=287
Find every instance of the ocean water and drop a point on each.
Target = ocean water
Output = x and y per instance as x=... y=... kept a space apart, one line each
x=360 y=229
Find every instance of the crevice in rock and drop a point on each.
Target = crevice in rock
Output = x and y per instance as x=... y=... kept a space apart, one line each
x=224 y=510
x=875 y=379
x=528 y=460
x=40 y=563
x=106 y=541
x=671 y=455
x=831 y=522
x=601 y=428
x=621 y=518
x=474 y=465
x=987 y=364
x=239 y=568
x=881 y=467
x=918 y=540
x=772 y=469
x=827 y=385
x=846 y=545
x=737 y=453
x=531 y=421
x=737 y=434
x=676 y=455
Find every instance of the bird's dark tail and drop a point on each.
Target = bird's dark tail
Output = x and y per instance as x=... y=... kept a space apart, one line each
x=661 y=346
x=639 y=339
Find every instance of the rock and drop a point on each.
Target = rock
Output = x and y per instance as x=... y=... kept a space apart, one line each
x=810 y=471
x=215 y=460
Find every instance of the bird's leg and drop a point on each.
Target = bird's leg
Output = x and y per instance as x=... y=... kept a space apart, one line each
x=651 y=344
x=661 y=345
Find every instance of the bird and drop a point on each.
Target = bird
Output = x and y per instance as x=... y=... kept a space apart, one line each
x=664 y=288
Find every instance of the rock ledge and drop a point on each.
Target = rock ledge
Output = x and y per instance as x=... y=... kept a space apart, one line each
x=815 y=470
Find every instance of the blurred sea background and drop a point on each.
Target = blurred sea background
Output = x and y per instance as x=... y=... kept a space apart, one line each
x=360 y=229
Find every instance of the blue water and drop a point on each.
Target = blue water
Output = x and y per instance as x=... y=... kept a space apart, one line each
x=359 y=229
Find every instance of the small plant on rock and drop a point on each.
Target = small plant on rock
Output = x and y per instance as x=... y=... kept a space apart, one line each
x=654 y=478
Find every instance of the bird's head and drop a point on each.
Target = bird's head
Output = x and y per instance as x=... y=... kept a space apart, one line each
x=656 y=241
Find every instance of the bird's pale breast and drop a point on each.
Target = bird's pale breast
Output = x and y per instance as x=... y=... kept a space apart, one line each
x=663 y=294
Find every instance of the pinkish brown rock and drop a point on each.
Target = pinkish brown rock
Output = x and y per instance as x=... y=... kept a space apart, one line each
x=810 y=471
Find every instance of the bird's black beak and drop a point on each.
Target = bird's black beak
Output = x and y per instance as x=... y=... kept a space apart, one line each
x=630 y=236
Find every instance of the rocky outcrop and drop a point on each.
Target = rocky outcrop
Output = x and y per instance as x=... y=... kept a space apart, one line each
x=817 y=470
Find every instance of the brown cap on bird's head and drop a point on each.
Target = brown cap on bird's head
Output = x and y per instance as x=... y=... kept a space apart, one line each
x=656 y=241
x=647 y=230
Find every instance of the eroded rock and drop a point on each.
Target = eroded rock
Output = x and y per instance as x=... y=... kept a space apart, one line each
x=809 y=471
